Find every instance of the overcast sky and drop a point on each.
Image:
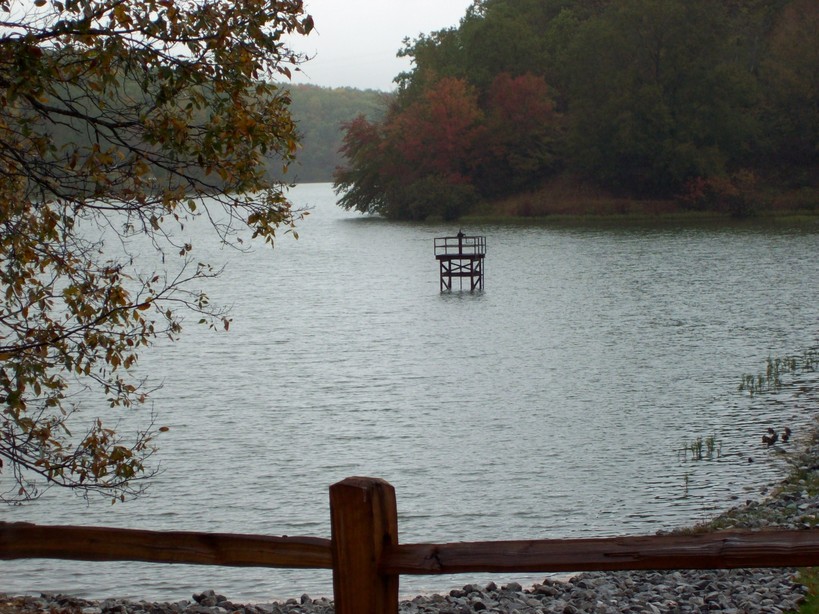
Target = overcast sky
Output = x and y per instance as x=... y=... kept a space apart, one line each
x=355 y=41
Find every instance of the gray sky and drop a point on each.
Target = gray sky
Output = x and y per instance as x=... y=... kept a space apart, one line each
x=355 y=41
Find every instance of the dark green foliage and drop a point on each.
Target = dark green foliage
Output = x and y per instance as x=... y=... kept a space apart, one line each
x=434 y=195
x=667 y=102
x=647 y=98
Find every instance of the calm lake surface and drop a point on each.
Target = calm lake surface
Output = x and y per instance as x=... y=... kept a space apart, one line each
x=554 y=404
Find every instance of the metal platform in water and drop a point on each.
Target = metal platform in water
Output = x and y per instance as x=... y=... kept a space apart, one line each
x=461 y=258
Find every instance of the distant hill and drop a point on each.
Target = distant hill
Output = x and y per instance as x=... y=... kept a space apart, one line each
x=319 y=113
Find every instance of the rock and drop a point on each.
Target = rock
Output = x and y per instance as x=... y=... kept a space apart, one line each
x=513 y=586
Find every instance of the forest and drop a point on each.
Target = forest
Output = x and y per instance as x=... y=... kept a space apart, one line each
x=709 y=105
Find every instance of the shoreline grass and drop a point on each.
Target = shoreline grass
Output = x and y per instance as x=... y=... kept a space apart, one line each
x=568 y=198
x=677 y=218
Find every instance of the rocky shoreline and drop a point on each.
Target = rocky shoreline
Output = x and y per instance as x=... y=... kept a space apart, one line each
x=793 y=504
x=651 y=592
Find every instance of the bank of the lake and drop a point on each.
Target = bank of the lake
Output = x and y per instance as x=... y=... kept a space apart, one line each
x=792 y=504
x=570 y=199
x=679 y=220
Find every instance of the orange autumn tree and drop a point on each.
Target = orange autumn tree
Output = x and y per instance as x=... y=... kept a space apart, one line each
x=438 y=133
x=121 y=120
x=434 y=139
x=418 y=161
x=439 y=154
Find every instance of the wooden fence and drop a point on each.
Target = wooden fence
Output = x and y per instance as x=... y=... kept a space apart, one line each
x=367 y=559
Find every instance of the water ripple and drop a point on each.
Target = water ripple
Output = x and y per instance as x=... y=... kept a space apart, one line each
x=556 y=403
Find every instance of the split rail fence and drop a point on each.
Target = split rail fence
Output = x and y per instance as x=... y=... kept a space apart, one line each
x=367 y=558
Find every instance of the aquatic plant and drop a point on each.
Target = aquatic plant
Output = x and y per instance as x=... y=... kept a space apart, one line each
x=696 y=448
x=775 y=368
x=711 y=447
x=702 y=448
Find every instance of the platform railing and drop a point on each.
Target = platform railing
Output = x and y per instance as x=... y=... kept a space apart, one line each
x=460 y=245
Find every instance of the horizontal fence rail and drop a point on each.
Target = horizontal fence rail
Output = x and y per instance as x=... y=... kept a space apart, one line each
x=367 y=559
x=20 y=540
x=722 y=550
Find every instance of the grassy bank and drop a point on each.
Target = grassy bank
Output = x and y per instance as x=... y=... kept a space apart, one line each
x=567 y=198
x=810 y=578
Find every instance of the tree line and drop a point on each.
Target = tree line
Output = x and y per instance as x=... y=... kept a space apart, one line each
x=693 y=100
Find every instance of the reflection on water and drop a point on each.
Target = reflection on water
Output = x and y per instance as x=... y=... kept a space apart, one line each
x=554 y=404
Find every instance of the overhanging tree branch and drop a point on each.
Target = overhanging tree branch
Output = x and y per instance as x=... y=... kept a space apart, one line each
x=118 y=119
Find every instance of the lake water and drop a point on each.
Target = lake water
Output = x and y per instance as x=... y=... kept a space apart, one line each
x=553 y=404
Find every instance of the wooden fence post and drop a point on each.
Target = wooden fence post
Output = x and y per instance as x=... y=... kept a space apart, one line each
x=364 y=522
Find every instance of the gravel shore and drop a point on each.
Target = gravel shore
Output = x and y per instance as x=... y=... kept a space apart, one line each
x=792 y=504
x=651 y=592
